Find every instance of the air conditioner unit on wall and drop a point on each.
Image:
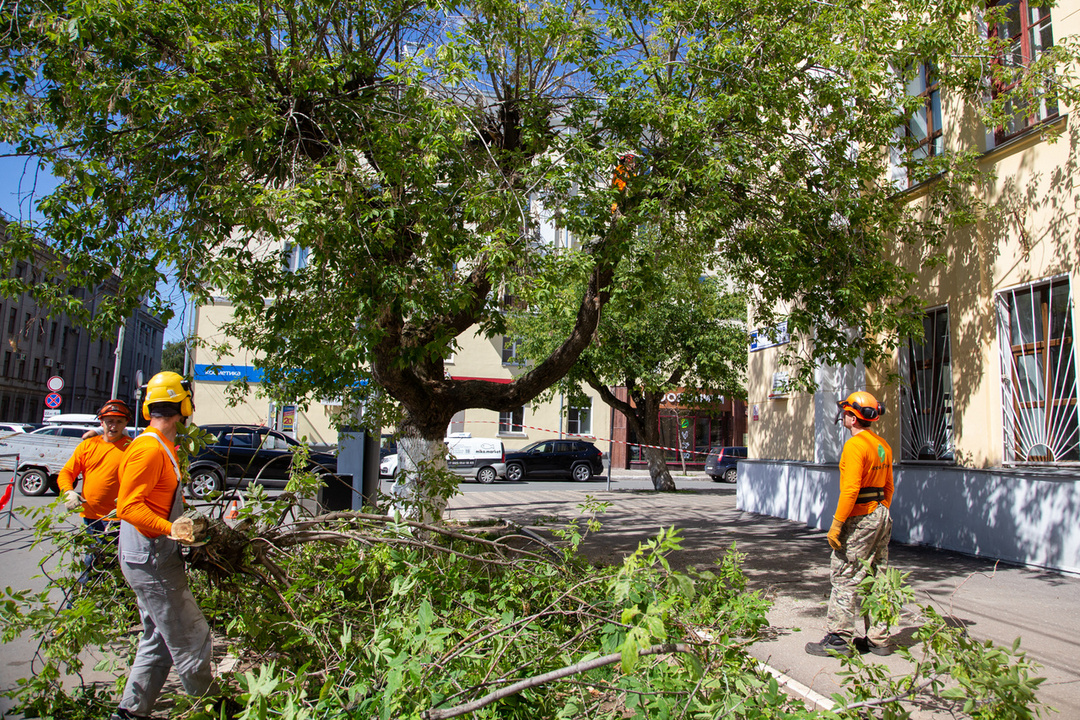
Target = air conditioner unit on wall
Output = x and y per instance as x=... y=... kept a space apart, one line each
x=59 y=367
x=48 y=362
x=20 y=356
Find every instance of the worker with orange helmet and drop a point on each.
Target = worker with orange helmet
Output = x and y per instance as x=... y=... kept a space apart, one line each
x=97 y=459
x=861 y=528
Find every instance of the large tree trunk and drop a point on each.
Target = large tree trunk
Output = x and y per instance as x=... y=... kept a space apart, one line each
x=648 y=420
x=423 y=485
x=658 y=470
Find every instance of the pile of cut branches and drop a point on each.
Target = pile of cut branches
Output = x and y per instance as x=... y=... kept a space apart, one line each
x=353 y=615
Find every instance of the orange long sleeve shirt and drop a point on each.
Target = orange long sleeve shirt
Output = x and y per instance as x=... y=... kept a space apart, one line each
x=98 y=461
x=147 y=485
x=865 y=462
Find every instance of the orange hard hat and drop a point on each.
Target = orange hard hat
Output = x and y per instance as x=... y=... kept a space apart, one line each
x=115 y=408
x=863 y=405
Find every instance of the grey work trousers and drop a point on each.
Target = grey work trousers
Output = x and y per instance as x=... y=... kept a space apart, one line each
x=865 y=537
x=174 y=629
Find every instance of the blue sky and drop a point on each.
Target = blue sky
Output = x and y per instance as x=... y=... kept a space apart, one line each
x=19 y=178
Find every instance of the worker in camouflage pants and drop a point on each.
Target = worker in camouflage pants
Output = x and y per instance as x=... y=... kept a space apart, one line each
x=860 y=530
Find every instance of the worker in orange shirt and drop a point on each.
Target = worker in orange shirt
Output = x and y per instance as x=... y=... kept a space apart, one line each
x=860 y=530
x=149 y=506
x=97 y=460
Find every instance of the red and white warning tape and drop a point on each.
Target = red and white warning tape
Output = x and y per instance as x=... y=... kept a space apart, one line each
x=595 y=437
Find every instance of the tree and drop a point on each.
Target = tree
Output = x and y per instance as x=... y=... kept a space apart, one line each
x=407 y=151
x=666 y=327
x=172 y=356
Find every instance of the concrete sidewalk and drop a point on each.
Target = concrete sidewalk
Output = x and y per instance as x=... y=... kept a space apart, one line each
x=790 y=564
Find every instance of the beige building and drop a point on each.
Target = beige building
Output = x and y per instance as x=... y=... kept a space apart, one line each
x=983 y=420
x=477 y=358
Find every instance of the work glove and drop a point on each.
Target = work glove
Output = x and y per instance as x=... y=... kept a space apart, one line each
x=834 y=534
x=73 y=500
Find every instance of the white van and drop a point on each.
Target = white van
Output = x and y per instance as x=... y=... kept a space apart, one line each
x=81 y=419
x=480 y=458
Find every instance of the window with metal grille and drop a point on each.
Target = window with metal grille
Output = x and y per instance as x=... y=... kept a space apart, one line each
x=1023 y=36
x=1038 y=360
x=927 y=393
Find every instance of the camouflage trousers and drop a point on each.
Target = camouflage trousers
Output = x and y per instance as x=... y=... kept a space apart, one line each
x=865 y=537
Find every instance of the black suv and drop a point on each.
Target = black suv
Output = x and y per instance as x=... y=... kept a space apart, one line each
x=576 y=458
x=722 y=460
x=248 y=453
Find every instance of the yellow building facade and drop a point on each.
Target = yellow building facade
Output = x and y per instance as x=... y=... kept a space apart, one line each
x=982 y=411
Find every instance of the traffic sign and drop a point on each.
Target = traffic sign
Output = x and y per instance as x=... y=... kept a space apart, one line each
x=52 y=401
x=48 y=414
x=55 y=383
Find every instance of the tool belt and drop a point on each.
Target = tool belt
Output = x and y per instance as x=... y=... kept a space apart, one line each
x=870 y=494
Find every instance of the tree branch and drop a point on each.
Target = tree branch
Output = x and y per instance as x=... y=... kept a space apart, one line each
x=576 y=668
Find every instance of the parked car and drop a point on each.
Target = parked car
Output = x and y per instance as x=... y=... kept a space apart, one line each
x=73 y=431
x=722 y=461
x=546 y=458
x=15 y=427
x=240 y=454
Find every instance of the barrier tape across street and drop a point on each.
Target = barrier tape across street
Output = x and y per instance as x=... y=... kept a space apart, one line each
x=595 y=437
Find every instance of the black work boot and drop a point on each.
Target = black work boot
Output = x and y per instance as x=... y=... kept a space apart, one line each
x=831 y=644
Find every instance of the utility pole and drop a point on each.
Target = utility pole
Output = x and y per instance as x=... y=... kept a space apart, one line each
x=116 y=364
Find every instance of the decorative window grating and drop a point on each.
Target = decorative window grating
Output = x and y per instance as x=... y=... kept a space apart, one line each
x=927 y=392
x=1038 y=368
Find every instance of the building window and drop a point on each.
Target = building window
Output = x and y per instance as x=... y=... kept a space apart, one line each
x=579 y=420
x=7 y=363
x=1038 y=360
x=52 y=334
x=511 y=354
x=37 y=369
x=1024 y=35
x=926 y=392
x=12 y=317
x=922 y=133
x=26 y=326
x=511 y=422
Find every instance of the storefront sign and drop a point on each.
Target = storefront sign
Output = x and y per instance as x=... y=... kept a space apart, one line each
x=227 y=373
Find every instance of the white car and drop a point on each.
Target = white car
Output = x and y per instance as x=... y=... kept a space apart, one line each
x=15 y=427
x=388 y=466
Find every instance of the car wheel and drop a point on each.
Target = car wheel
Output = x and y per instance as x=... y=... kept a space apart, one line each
x=203 y=482
x=730 y=475
x=514 y=472
x=581 y=473
x=486 y=475
x=33 y=483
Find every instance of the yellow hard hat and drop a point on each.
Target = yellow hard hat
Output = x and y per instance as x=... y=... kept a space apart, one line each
x=168 y=387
